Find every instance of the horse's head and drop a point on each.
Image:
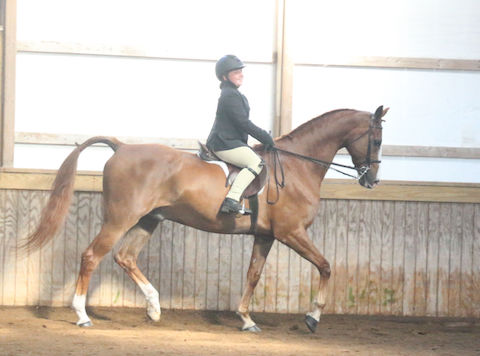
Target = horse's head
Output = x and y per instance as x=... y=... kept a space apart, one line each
x=365 y=150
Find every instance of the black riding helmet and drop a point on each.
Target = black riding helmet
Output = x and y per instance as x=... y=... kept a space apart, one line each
x=226 y=64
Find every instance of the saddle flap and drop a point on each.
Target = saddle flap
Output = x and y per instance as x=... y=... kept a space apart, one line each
x=253 y=188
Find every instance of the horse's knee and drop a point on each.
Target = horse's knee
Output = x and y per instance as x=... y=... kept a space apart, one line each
x=253 y=278
x=89 y=262
x=325 y=270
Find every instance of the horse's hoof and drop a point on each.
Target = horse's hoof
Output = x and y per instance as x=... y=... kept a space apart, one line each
x=311 y=323
x=154 y=316
x=85 y=324
x=252 y=329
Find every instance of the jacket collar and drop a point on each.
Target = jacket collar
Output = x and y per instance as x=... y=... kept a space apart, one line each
x=227 y=84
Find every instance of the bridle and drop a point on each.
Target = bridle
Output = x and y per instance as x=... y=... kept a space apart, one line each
x=367 y=163
x=362 y=168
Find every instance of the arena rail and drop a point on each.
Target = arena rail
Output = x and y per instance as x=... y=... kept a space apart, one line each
x=89 y=181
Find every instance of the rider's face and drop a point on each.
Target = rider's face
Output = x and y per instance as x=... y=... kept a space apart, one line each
x=236 y=77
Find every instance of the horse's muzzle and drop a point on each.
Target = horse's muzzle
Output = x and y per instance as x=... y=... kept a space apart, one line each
x=367 y=183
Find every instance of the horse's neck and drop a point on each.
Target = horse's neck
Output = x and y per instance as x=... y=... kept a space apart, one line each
x=321 y=141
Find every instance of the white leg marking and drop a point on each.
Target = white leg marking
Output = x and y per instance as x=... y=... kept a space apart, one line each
x=153 y=301
x=78 y=305
x=315 y=314
x=247 y=321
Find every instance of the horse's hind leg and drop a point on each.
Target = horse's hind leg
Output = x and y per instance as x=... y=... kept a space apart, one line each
x=126 y=257
x=261 y=248
x=91 y=257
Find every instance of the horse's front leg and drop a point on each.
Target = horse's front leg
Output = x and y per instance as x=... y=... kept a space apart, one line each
x=301 y=243
x=261 y=248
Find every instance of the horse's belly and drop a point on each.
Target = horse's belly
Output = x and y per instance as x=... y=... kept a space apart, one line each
x=223 y=224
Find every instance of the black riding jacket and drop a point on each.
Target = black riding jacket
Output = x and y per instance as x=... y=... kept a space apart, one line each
x=232 y=124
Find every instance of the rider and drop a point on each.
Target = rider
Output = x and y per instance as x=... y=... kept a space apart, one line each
x=229 y=134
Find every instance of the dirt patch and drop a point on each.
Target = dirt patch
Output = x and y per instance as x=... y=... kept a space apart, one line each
x=122 y=331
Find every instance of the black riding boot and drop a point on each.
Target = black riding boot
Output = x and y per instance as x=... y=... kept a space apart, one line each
x=230 y=206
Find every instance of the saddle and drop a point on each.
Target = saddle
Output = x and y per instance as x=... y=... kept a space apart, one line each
x=253 y=189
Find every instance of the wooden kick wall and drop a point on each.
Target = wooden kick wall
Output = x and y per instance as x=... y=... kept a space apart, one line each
x=399 y=258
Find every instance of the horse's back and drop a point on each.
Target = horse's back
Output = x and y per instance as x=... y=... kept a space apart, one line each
x=132 y=157
x=158 y=167
x=140 y=170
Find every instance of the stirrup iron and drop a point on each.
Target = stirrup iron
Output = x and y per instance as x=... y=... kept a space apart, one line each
x=244 y=211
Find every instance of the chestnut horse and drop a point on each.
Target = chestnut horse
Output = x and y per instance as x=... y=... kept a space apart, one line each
x=141 y=182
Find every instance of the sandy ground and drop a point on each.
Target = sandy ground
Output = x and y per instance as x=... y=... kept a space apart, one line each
x=122 y=331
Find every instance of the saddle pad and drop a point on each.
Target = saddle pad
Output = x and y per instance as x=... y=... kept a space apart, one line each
x=222 y=165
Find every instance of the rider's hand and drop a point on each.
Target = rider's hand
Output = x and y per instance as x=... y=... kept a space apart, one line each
x=270 y=147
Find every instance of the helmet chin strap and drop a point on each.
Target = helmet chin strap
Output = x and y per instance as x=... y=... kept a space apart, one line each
x=229 y=81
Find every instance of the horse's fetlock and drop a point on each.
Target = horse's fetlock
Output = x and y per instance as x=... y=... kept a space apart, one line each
x=242 y=311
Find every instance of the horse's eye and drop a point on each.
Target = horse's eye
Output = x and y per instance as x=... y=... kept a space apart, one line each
x=377 y=143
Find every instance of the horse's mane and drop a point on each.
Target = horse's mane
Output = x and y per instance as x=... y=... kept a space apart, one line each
x=308 y=126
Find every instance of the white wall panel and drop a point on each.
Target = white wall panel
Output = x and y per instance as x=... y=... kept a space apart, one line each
x=428 y=108
x=437 y=108
x=128 y=96
x=180 y=28
x=51 y=157
x=135 y=96
x=423 y=28
x=420 y=169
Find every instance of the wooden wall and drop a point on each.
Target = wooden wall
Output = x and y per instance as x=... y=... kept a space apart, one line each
x=400 y=258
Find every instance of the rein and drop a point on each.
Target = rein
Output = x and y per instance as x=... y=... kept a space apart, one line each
x=365 y=166
x=317 y=161
x=278 y=184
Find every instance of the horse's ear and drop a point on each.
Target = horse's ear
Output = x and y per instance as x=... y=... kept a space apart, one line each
x=380 y=112
x=385 y=111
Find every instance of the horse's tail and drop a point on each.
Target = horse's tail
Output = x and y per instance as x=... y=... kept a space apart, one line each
x=55 y=212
